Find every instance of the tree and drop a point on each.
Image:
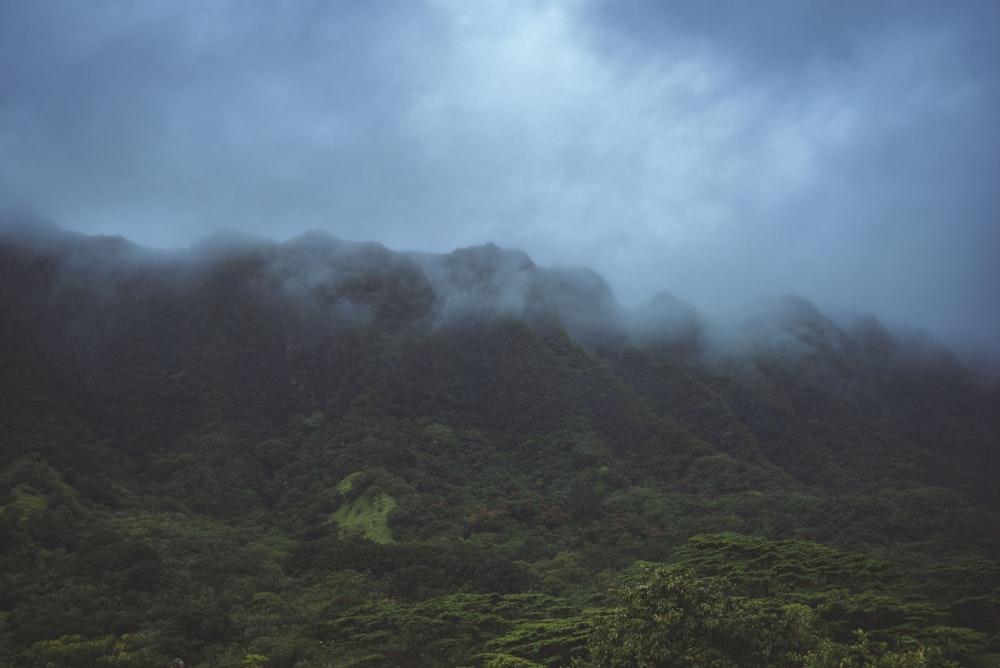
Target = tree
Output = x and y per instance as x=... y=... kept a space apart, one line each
x=672 y=618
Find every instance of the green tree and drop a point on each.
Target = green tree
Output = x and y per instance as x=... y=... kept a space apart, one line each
x=671 y=618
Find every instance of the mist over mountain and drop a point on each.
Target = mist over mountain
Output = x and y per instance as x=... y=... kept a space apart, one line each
x=397 y=433
x=276 y=313
x=586 y=333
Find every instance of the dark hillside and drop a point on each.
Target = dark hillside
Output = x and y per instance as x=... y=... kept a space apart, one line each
x=330 y=453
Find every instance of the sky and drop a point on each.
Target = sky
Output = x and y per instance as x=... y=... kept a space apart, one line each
x=845 y=151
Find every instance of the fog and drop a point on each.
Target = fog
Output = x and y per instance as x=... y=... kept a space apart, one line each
x=845 y=152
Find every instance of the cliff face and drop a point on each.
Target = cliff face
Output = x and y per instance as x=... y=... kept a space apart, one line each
x=146 y=346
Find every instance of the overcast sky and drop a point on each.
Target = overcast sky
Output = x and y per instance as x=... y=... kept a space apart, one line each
x=846 y=151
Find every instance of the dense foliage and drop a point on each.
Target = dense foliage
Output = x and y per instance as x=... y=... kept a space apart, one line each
x=328 y=454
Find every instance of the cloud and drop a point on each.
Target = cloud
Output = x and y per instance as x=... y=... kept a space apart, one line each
x=843 y=151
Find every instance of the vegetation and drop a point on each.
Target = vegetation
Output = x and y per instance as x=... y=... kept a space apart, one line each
x=307 y=455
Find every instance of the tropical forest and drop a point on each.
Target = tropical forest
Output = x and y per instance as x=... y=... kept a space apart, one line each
x=251 y=453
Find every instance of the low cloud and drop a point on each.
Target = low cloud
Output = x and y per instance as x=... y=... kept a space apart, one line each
x=844 y=152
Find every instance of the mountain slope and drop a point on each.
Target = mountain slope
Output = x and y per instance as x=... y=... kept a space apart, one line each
x=309 y=428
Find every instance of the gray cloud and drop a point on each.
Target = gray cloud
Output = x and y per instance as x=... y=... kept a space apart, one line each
x=843 y=151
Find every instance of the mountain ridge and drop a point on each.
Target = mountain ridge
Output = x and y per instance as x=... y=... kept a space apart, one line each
x=317 y=283
x=506 y=429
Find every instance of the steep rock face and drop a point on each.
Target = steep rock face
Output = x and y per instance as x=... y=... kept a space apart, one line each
x=805 y=395
x=149 y=345
x=667 y=323
x=842 y=405
x=487 y=281
x=479 y=281
x=583 y=304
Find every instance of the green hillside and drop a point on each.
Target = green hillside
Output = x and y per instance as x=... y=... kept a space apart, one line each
x=322 y=453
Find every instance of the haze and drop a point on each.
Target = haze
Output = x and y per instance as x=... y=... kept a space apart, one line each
x=847 y=152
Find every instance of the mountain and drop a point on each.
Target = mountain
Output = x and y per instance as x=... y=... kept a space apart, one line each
x=321 y=452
